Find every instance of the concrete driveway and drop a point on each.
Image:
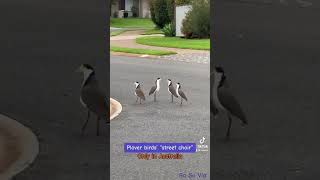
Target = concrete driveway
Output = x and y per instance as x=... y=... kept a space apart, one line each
x=160 y=121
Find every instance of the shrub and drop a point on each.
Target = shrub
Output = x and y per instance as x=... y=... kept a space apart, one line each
x=186 y=28
x=152 y=12
x=182 y=2
x=115 y=14
x=171 y=10
x=197 y=21
x=169 y=30
x=160 y=12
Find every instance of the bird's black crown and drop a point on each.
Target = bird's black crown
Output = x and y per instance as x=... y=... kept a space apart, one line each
x=88 y=66
x=219 y=69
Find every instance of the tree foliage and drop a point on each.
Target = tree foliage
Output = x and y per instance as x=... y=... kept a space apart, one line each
x=197 y=21
x=182 y=2
x=162 y=12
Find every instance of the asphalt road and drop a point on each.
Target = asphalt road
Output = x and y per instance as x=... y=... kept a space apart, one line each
x=42 y=43
x=160 y=121
x=271 y=56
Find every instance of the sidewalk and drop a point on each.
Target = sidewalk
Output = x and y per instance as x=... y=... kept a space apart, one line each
x=128 y=40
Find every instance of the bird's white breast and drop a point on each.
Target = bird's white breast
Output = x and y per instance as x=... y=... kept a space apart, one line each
x=177 y=91
x=86 y=75
x=83 y=104
x=158 y=86
x=215 y=97
x=216 y=100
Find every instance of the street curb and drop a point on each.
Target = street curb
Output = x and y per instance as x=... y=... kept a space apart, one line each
x=25 y=142
x=115 y=108
x=133 y=55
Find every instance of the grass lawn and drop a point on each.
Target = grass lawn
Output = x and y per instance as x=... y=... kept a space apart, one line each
x=132 y=23
x=152 y=31
x=141 y=51
x=117 y=32
x=175 y=42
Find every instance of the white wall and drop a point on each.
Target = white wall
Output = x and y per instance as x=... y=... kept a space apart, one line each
x=181 y=12
x=129 y=4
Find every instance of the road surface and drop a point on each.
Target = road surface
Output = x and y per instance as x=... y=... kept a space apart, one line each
x=271 y=56
x=160 y=121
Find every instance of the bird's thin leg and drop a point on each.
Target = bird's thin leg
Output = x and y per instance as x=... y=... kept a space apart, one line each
x=137 y=99
x=85 y=123
x=172 y=98
x=98 y=128
x=155 y=99
x=229 y=127
x=140 y=100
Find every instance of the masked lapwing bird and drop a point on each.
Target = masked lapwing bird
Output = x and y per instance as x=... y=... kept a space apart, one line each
x=154 y=89
x=92 y=97
x=224 y=101
x=139 y=93
x=171 y=90
x=180 y=93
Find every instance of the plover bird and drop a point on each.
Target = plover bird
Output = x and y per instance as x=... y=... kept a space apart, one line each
x=180 y=93
x=138 y=92
x=155 y=89
x=171 y=90
x=224 y=101
x=92 y=97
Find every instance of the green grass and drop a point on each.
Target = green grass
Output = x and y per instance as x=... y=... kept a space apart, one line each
x=117 y=32
x=152 y=31
x=132 y=23
x=175 y=42
x=141 y=51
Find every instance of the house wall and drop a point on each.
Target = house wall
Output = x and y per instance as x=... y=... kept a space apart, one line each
x=129 y=4
x=181 y=12
x=145 y=9
x=114 y=9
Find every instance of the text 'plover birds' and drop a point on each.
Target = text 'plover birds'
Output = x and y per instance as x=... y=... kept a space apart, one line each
x=138 y=92
x=171 y=90
x=224 y=101
x=155 y=89
x=180 y=93
x=92 y=97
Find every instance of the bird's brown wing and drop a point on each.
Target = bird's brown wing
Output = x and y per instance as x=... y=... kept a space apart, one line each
x=95 y=100
x=173 y=91
x=231 y=104
x=152 y=90
x=183 y=95
x=140 y=94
